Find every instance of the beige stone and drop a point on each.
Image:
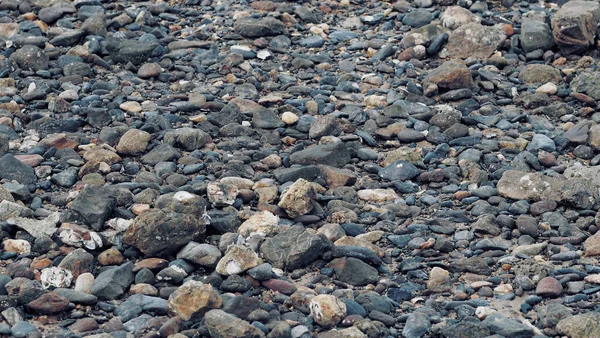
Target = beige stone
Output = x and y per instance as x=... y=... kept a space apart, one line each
x=193 y=298
x=327 y=310
x=263 y=223
x=237 y=259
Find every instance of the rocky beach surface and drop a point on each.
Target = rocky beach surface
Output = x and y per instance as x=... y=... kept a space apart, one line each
x=297 y=169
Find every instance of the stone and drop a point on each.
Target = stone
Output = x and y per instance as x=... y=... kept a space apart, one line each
x=254 y=28
x=263 y=223
x=23 y=329
x=535 y=35
x=528 y=186
x=332 y=154
x=399 y=171
x=149 y=70
x=293 y=248
x=579 y=133
x=31 y=57
x=504 y=326
x=113 y=282
x=456 y=16
x=221 y=194
x=327 y=310
x=549 y=287
x=189 y=139
x=49 y=303
x=439 y=280
x=574 y=26
x=354 y=271
x=587 y=83
x=18 y=246
x=236 y=260
x=592 y=245
x=417 y=325
x=110 y=256
x=13 y=169
x=474 y=40
x=297 y=199
x=159 y=232
x=377 y=195
x=124 y=50
x=94 y=206
x=133 y=142
x=200 y=253
x=583 y=325
x=193 y=299
x=335 y=177
x=38 y=228
x=537 y=73
x=223 y=325
x=450 y=75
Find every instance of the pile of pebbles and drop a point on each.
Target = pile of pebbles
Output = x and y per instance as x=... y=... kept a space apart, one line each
x=351 y=168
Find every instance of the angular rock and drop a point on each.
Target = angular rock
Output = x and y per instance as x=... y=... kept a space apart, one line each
x=113 y=282
x=475 y=40
x=452 y=74
x=255 y=28
x=535 y=35
x=332 y=154
x=354 y=271
x=13 y=169
x=159 y=232
x=94 y=205
x=574 y=25
x=520 y=185
x=297 y=199
x=293 y=248
x=189 y=139
x=327 y=310
x=236 y=260
x=223 y=325
x=193 y=299
x=123 y=50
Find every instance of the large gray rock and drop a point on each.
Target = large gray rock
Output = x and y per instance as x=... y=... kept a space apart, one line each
x=521 y=185
x=354 y=271
x=188 y=139
x=332 y=154
x=574 y=25
x=535 y=35
x=31 y=57
x=122 y=50
x=13 y=169
x=256 y=28
x=474 y=40
x=157 y=232
x=114 y=282
x=293 y=248
x=94 y=205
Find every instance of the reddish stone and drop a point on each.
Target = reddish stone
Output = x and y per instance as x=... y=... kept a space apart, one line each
x=30 y=160
x=49 y=303
x=84 y=325
x=280 y=286
x=153 y=264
